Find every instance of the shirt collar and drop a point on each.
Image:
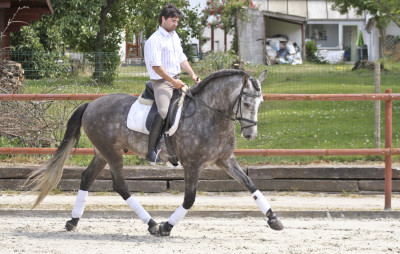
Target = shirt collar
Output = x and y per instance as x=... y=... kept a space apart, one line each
x=164 y=32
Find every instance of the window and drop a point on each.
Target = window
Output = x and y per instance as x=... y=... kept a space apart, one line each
x=325 y=35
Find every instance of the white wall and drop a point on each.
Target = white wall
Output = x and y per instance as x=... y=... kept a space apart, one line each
x=251 y=50
x=274 y=26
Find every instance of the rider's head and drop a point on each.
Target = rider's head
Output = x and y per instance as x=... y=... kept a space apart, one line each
x=169 y=17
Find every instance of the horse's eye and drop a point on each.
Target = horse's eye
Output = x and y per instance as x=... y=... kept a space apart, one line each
x=247 y=105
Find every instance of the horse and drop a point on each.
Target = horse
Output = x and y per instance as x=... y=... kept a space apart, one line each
x=206 y=134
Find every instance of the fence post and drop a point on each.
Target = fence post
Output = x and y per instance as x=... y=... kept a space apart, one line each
x=377 y=78
x=388 y=145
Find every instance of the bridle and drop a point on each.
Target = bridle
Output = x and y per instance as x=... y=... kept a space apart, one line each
x=238 y=110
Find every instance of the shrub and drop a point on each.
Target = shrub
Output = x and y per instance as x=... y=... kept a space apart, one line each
x=216 y=61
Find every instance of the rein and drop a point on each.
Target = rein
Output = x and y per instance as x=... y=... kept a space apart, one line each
x=238 y=109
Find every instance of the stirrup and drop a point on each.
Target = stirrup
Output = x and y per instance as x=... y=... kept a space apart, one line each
x=152 y=156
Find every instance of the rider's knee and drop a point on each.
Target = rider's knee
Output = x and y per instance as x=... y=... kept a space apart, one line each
x=163 y=112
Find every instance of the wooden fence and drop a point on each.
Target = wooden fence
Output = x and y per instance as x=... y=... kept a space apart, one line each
x=388 y=151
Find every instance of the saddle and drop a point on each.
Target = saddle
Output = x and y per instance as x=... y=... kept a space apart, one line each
x=142 y=113
x=174 y=105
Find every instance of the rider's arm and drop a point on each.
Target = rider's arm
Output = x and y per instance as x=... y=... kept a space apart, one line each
x=162 y=73
x=186 y=66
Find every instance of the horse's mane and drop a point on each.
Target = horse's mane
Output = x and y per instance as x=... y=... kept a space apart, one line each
x=218 y=74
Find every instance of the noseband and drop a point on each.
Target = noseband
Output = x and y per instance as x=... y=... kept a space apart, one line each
x=239 y=107
x=238 y=100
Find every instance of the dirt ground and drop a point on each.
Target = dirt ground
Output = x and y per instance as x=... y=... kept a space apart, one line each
x=112 y=234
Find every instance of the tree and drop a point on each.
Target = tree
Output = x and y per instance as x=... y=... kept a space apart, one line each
x=387 y=9
x=144 y=18
x=383 y=11
x=224 y=14
x=98 y=27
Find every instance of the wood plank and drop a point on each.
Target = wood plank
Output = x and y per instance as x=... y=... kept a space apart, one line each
x=106 y=185
x=320 y=172
x=208 y=185
x=273 y=185
x=132 y=173
x=14 y=172
x=378 y=185
x=5 y=4
x=98 y=186
x=308 y=185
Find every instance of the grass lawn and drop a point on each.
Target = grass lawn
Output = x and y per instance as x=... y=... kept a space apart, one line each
x=282 y=124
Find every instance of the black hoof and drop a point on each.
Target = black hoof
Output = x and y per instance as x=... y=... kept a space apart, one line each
x=165 y=229
x=153 y=227
x=273 y=221
x=71 y=224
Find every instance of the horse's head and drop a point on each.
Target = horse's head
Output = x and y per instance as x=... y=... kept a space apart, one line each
x=248 y=103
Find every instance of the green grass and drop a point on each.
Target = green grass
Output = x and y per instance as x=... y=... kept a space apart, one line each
x=282 y=124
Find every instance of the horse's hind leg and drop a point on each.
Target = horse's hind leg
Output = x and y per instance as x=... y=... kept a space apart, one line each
x=231 y=166
x=88 y=176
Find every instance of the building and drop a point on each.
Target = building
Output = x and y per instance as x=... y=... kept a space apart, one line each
x=17 y=13
x=302 y=20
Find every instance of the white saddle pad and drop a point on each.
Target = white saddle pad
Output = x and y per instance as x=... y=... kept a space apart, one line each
x=137 y=116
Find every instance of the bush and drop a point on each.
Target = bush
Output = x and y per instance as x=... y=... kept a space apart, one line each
x=216 y=61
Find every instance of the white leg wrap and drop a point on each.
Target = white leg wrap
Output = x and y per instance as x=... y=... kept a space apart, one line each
x=177 y=215
x=261 y=201
x=79 y=207
x=138 y=209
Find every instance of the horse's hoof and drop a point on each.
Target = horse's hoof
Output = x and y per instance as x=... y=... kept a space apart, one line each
x=71 y=224
x=165 y=229
x=275 y=224
x=153 y=227
x=273 y=221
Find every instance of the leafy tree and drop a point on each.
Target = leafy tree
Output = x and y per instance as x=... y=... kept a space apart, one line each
x=225 y=13
x=98 y=27
x=388 y=9
x=383 y=11
x=144 y=18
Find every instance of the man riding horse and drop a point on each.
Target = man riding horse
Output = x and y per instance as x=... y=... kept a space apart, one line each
x=164 y=59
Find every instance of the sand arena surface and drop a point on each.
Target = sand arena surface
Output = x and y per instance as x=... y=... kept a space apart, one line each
x=122 y=232
x=199 y=235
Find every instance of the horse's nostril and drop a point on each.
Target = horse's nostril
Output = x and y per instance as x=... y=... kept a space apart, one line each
x=247 y=136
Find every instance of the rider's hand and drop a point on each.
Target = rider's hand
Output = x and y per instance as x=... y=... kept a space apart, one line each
x=196 y=80
x=178 y=84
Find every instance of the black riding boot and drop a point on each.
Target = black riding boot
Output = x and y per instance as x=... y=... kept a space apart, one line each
x=154 y=137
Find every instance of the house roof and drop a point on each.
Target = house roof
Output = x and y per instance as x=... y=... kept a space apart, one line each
x=285 y=17
x=310 y=9
x=19 y=13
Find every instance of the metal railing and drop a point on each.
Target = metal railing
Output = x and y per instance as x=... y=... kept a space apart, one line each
x=388 y=151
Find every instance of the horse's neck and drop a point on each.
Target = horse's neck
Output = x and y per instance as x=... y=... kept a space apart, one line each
x=220 y=95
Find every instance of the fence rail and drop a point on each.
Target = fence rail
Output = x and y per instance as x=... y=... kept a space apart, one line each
x=388 y=151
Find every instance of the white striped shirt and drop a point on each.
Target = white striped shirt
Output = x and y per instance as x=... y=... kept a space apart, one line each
x=164 y=49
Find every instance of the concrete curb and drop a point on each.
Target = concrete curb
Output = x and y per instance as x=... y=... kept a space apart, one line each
x=214 y=214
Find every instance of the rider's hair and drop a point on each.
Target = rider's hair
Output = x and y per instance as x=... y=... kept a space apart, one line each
x=169 y=11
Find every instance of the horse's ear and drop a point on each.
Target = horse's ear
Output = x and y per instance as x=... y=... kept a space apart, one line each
x=262 y=76
x=245 y=80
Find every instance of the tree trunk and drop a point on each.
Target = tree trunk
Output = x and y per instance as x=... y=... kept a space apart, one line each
x=99 y=65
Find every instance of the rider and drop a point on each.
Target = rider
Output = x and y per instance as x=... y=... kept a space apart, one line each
x=164 y=59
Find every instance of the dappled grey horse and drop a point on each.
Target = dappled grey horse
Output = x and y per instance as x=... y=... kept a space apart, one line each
x=206 y=134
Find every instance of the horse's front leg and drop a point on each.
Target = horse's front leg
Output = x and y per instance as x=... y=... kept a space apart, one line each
x=231 y=166
x=191 y=180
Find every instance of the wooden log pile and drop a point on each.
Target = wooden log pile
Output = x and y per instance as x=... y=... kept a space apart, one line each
x=11 y=77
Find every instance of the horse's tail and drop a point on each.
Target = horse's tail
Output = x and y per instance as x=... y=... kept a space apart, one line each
x=47 y=177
